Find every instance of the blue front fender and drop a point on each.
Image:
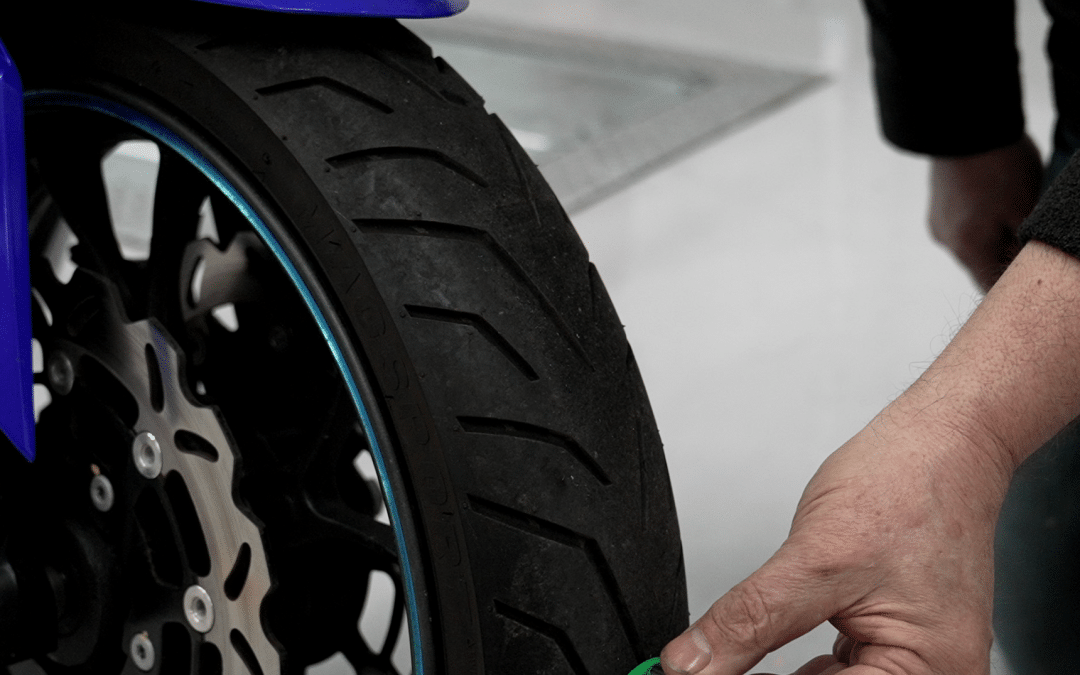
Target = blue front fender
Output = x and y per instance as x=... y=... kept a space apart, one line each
x=397 y=9
x=16 y=366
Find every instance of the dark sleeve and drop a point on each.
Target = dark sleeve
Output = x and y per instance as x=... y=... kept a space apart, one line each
x=1056 y=218
x=947 y=74
x=1063 y=48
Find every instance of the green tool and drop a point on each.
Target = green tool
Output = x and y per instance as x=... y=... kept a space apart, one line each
x=650 y=667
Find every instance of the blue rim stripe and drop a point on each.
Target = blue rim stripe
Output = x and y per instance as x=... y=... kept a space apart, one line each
x=167 y=137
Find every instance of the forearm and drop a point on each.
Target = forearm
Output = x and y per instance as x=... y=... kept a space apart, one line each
x=1010 y=379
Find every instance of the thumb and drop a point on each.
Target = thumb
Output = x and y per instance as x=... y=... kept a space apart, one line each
x=774 y=606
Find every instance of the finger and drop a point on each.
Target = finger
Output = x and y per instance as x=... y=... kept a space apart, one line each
x=836 y=668
x=837 y=646
x=777 y=604
x=688 y=654
x=843 y=647
x=819 y=666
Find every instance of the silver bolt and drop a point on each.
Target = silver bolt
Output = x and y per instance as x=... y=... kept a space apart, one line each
x=198 y=608
x=142 y=651
x=147 y=455
x=101 y=492
x=61 y=373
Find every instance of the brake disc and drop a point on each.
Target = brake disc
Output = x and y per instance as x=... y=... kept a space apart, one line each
x=174 y=435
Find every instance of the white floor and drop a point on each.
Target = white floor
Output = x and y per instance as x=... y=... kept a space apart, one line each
x=778 y=286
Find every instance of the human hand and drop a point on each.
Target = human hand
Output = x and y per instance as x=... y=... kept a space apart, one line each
x=892 y=543
x=892 y=538
x=977 y=203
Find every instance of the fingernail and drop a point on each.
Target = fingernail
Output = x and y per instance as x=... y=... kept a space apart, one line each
x=688 y=653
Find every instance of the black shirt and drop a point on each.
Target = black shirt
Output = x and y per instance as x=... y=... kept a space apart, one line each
x=948 y=83
x=947 y=72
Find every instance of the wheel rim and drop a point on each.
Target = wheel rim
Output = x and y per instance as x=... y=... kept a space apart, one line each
x=216 y=620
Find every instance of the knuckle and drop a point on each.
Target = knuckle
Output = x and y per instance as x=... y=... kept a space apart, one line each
x=743 y=619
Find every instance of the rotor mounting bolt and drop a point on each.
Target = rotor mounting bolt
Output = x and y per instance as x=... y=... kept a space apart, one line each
x=198 y=608
x=61 y=373
x=142 y=651
x=101 y=493
x=147 y=455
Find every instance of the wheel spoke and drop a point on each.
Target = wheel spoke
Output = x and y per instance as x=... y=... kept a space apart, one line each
x=329 y=474
x=228 y=219
x=363 y=660
x=396 y=616
x=179 y=192
x=376 y=539
x=41 y=327
x=226 y=275
x=71 y=169
x=52 y=292
x=329 y=450
x=41 y=210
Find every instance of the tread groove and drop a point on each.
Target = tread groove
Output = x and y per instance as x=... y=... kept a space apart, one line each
x=639 y=435
x=594 y=284
x=327 y=83
x=481 y=326
x=407 y=73
x=567 y=537
x=513 y=150
x=548 y=630
x=217 y=42
x=370 y=155
x=424 y=228
x=498 y=427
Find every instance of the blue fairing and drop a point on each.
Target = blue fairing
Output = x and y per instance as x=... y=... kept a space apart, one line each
x=16 y=366
x=398 y=9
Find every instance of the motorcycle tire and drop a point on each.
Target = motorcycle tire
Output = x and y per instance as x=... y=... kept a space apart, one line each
x=404 y=286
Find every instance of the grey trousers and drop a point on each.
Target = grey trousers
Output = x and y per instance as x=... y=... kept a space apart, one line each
x=1037 y=547
x=1037 y=562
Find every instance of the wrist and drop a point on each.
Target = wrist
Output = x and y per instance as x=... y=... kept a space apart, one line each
x=949 y=446
x=1007 y=382
x=1024 y=145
